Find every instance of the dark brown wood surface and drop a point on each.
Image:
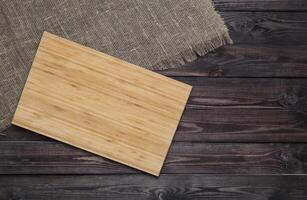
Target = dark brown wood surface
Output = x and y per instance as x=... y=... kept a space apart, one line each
x=243 y=134
x=34 y=157
x=260 y=5
x=166 y=187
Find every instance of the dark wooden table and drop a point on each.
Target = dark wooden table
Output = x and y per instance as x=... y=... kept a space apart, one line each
x=242 y=136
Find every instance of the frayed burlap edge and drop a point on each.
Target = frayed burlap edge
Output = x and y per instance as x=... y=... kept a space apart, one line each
x=197 y=50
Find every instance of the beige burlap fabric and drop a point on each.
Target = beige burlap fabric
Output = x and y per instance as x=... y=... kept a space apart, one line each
x=155 y=34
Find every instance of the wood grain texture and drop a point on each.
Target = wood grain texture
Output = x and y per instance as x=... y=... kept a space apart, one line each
x=228 y=110
x=266 y=44
x=166 y=187
x=261 y=5
x=184 y=157
x=101 y=104
x=248 y=61
x=271 y=28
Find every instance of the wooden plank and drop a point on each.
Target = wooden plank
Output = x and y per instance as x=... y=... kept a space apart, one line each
x=248 y=61
x=230 y=125
x=247 y=93
x=260 y=5
x=190 y=158
x=233 y=110
x=131 y=187
x=221 y=125
x=101 y=104
x=273 y=28
x=266 y=45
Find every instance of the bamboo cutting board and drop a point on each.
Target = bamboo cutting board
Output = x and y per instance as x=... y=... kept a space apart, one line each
x=101 y=104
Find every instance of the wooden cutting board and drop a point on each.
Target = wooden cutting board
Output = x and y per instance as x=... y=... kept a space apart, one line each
x=101 y=104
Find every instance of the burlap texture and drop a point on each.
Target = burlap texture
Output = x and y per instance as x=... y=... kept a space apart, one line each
x=155 y=34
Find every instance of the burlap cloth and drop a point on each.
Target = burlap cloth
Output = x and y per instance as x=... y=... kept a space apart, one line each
x=155 y=34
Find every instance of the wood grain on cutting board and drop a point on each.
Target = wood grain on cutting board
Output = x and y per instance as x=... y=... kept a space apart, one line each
x=101 y=104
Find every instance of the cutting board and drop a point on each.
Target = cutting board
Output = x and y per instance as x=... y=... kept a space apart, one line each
x=101 y=104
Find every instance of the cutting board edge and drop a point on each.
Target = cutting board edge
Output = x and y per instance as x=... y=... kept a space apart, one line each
x=171 y=141
x=87 y=149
